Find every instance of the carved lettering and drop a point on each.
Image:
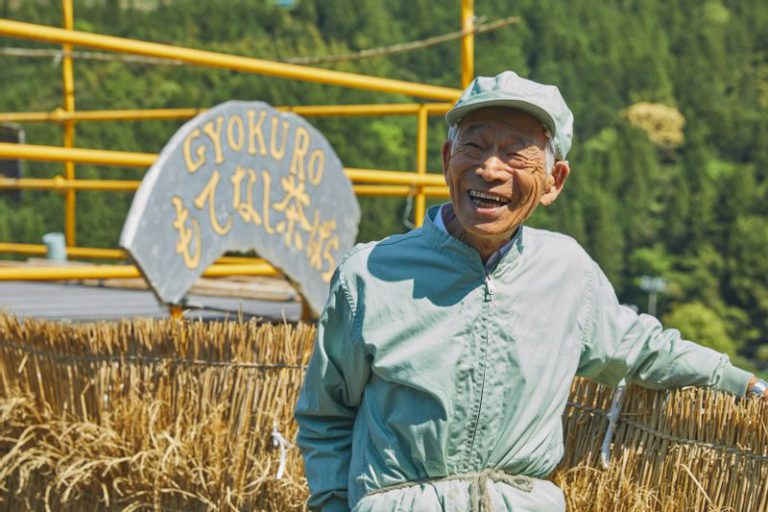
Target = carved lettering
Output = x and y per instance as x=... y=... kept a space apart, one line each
x=300 y=148
x=193 y=164
x=256 y=131
x=267 y=179
x=278 y=153
x=316 y=167
x=235 y=132
x=292 y=205
x=245 y=208
x=208 y=195
x=215 y=135
x=187 y=236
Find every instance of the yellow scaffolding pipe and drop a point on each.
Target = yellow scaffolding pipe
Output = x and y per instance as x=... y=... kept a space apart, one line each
x=32 y=31
x=101 y=253
x=120 y=271
x=68 y=80
x=61 y=184
x=62 y=116
x=398 y=191
x=83 y=156
x=375 y=109
x=467 y=42
x=393 y=177
x=421 y=166
x=124 y=158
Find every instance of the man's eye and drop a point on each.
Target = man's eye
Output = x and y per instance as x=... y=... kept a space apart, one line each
x=472 y=145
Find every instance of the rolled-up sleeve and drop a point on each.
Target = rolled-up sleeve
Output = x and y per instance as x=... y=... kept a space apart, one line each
x=333 y=387
x=618 y=343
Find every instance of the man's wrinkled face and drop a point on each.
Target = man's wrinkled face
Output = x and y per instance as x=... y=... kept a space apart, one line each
x=496 y=172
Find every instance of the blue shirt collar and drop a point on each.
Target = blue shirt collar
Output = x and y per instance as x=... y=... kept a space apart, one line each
x=493 y=259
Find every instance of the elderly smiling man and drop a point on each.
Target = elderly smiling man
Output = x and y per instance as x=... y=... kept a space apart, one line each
x=444 y=356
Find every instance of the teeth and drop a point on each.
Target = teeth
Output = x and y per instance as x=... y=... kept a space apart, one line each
x=476 y=194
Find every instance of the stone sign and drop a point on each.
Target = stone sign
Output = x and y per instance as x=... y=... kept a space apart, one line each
x=243 y=176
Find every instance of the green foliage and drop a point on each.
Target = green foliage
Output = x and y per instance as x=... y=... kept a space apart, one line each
x=695 y=321
x=696 y=215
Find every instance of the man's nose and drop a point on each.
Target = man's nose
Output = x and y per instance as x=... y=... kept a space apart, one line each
x=493 y=168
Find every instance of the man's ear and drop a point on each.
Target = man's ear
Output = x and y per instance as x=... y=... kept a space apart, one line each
x=446 y=152
x=556 y=182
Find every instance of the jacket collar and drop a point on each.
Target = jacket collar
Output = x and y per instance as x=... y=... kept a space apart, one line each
x=456 y=249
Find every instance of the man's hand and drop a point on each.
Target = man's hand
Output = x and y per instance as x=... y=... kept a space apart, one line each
x=754 y=380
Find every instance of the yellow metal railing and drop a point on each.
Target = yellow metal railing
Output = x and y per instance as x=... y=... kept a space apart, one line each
x=99 y=253
x=467 y=42
x=366 y=182
x=207 y=58
x=122 y=271
x=375 y=109
x=68 y=79
x=129 y=159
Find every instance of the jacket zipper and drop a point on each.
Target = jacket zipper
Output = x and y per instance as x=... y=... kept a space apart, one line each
x=490 y=291
x=490 y=287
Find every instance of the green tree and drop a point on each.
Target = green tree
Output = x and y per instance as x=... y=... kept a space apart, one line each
x=697 y=322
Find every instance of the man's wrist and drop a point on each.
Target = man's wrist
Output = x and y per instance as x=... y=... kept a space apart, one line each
x=757 y=387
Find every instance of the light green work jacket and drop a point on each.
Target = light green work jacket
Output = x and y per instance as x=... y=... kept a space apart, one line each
x=427 y=365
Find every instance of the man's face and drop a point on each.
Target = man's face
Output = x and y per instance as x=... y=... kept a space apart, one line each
x=496 y=172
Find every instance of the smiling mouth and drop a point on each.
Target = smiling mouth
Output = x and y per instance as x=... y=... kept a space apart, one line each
x=486 y=200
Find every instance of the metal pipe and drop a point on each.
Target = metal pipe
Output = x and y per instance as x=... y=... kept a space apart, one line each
x=393 y=177
x=382 y=190
x=62 y=184
x=442 y=192
x=101 y=253
x=121 y=271
x=163 y=114
x=244 y=260
x=27 y=117
x=398 y=191
x=68 y=80
x=420 y=204
x=83 y=156
x=28 y=249
x=124 y=158
x=32 y=31
x=60 y=115
x=467 y=42
x=77 y=252
x=375 y=109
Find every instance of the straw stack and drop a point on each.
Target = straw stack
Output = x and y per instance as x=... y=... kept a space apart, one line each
x=161 y=415
x=682 y=450
x=169 y=415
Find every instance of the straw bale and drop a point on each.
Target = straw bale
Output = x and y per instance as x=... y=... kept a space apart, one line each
x=149 y=415
x=683 y=450
x=167 y=415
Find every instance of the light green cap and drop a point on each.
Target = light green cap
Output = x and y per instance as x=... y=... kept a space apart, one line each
x=544 y=102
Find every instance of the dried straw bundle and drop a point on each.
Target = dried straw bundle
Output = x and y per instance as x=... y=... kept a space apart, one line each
x=682 y=450
x=161 y=415
x=174 y=416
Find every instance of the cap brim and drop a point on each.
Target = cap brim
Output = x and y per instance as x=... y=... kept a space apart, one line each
x=456 y=114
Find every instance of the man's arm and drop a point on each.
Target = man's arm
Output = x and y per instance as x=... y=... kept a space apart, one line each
x=327 y=405
x=618 y=343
